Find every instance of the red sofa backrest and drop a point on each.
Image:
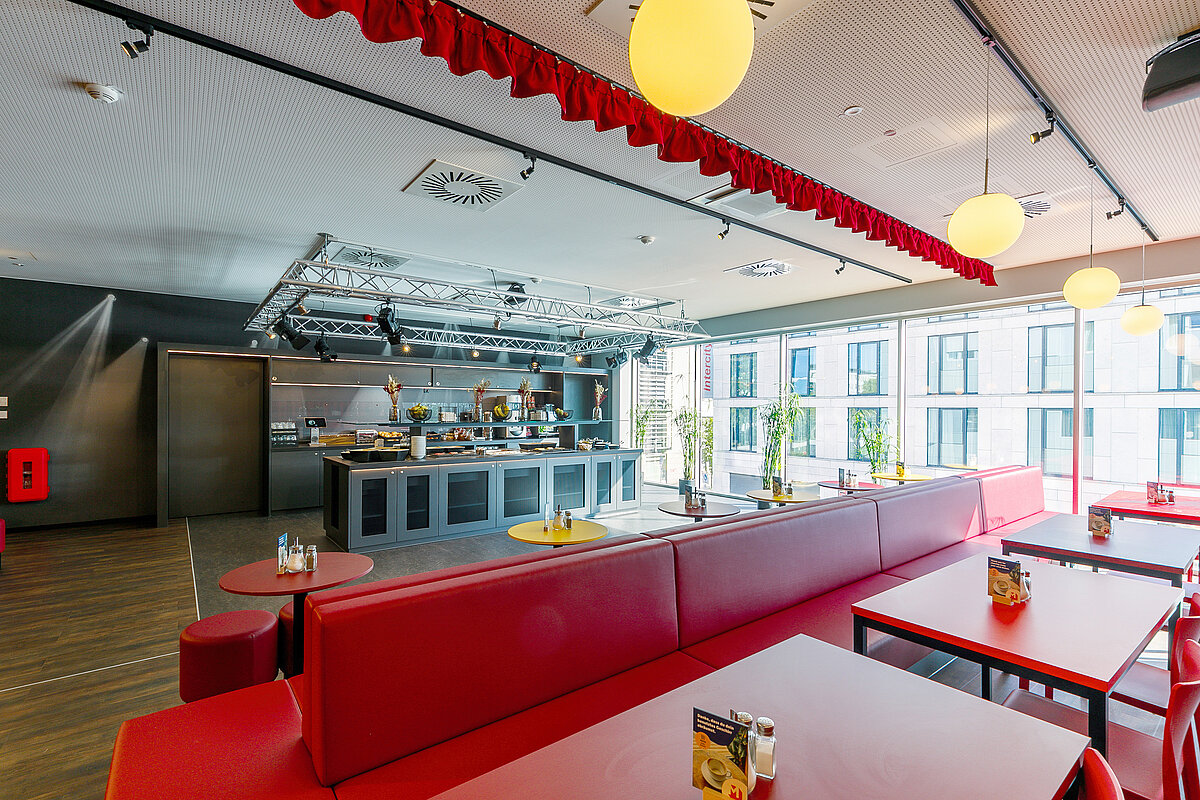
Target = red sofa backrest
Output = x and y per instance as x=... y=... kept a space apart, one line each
x=395 y=672
x=1011 y=495
x=916 y=520
x=743 y=570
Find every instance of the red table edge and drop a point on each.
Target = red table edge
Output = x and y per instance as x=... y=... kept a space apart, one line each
x=294 y=590
x=1014 y=658
x=1068 y=554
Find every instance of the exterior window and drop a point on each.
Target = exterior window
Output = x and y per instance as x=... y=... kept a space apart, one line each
x=1050 y=441
x=953 y=364
x=953 y=437
x=804 y=435
x=868 y=367
x=874 y=415
x=743 y=429
x=1179 y=445
x=1052 y=356
x=743 y=375
x=1175 y=369
x=803 y=367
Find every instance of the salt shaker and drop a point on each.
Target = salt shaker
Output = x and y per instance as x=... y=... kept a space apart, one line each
x=744 y=718
x=764 y=748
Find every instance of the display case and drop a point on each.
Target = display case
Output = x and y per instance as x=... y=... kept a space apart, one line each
x=522 y=492
x=569 y=482
x=417 y=498
x=468 y=498
x=604 y=484
x=629 y=480
x=373 y=508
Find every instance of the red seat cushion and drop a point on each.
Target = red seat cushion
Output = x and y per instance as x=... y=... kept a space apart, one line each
x=945 y=557
x=446 y=765
x=827 y=618
x=227 y=651
x=1001 y=531
x=1146 y=687
x=243 y=744
x=1010 y=495
x=917 y=520
x=1136 y=757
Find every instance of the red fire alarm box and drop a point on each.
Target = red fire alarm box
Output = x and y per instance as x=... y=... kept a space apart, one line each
x=28 y=474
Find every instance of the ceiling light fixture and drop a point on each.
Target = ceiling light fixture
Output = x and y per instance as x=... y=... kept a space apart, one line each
x=1037 y=136
x=617 y=359
x=721 y=236
x=688 y=56
x=515 y=288
x=525 y=173
x=385 y=318
x=474 y=354
x=648 y=349
x=535 y=366
x=578 y=359
x=295 y=338
x=496 y=322
x=1092 y=286
x=1120 y=210
x=987 y=224
x=1142 y=319
x=840 y=269
x=323 y=350
x=853 y=111
x=134 y=49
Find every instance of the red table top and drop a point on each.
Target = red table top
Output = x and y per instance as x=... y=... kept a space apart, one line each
x=708 y=511
x=848 y=726
x=259 y=579
x=1184 y=509
x=1133 y=544
x=1081 y=626
x=861 y=487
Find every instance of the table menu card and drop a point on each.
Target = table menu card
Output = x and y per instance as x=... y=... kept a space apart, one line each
x=777 y=486
x=1100 y=521
x=1004 y=580
x=1155 y=493
x=720 y=755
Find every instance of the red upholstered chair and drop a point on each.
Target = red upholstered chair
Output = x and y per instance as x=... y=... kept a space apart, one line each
x=227 y=651
x=1099 y=780
x=1148 y=687
x=1149 y=768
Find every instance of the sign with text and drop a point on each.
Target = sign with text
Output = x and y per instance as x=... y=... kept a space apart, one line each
x=706 y=370
x=1004 y=580
x=720 y=756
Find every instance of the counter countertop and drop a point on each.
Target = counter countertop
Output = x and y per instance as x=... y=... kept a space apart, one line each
x=457 y=458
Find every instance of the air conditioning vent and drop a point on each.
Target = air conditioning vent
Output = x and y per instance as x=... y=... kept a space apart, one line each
x=358 y=257
x=770 y=268
x=913 y=141
x=1035 y=204
x=459 y=186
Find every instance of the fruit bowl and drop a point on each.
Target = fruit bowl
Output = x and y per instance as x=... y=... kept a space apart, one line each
x=419 y=413
x=501 y=412
x=562 y=414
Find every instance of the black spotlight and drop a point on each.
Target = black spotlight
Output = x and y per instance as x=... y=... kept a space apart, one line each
x=134 y=49
x=525 y=173
x=385 y=318
x=1120 y=209
x=323 y=349
x=617 y=359
x=535 y=366
x=1037 y=136
x=647 y=349
x=840 y=269
x=295 y=338
x=725 y=232
x=515 y=288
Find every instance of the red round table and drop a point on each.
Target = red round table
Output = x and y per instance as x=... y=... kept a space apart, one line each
x=710 y=510
x=260 y=580
x=861 y=487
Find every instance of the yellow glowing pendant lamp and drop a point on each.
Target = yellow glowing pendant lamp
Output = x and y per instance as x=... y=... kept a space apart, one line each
x=688 y=56
x=988 y=223
x=1092 y=286
x=1142 y=319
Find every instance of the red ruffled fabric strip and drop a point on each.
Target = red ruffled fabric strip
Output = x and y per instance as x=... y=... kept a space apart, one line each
x=468 y=44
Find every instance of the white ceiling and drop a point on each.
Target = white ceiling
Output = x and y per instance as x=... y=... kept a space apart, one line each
x=213 y=174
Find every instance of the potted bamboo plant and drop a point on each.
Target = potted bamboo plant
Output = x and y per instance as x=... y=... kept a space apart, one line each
x=687 y=426
x=874 y=442
x=779 y=425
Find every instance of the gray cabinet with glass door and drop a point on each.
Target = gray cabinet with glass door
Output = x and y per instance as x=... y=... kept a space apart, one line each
x=522 y=491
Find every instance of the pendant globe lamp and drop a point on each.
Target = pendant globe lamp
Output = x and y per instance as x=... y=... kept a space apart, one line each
x=1092 y=286
x=989 y=223
x=688 y=56
x=1142 y=319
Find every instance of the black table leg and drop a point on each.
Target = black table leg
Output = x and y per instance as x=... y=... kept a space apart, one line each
x=698 y=519
x=860 y=636
x=1098 y=720
x=985 y=688
x=1177 y=582
x=763 y=506
x=298 y=632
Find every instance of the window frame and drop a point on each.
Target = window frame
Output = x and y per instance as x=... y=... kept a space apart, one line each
x=735 y=412
x=805 y=447
x=810 y=379
x=852 y=449
x=968 y=428
x=936 y=363
x=735 y=374
x=855 y=372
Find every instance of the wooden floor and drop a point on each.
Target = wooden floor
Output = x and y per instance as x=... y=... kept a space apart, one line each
x=89 y=630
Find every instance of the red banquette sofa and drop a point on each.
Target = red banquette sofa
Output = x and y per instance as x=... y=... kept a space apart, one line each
x=416 y=684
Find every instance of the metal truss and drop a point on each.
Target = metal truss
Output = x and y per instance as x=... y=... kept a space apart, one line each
x=313 y=326
x=600 y=344
x=330 y=280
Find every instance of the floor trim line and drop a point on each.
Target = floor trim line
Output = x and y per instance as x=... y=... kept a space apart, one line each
x=88 y=672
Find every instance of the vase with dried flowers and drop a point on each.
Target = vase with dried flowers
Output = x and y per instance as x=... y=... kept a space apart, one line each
x=392 y=387
x=526 y=392
x=600 y=393
x=479 y=389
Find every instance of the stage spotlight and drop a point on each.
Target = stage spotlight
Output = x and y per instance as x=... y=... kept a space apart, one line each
x=323 y=350
x=617 y=359
x=134 y=49
x=725 y=232
x=385 y=318
x=515 y=288
x=1037 y=136
x=648 y=349
x=297 y=340
x=525 y=173
x=535 y=366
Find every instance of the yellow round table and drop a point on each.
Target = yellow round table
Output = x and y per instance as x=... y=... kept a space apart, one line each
x=907 y=477
x=581 y=531
x=766 y=496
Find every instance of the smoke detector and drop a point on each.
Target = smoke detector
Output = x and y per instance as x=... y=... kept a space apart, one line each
x=103 y=92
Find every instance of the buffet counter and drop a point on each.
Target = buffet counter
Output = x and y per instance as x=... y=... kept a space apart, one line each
x=374 y=505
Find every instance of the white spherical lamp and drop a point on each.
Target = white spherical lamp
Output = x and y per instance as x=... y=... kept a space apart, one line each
x=986 y=225
x=1142 y=320
x=688 y=56
x=1091 y=287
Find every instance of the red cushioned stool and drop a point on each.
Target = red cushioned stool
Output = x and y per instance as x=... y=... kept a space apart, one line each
x=227 y=651
x=285 y=639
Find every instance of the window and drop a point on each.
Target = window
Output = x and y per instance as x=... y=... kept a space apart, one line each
x=804 y=435
x=953 y=364
x=1050 y=434
x=1052 y=357
x=868 y=369
x=743 y=429
x=1179 y=445
x=874 y=416
x=803 y=367
x=1175 y=368
x=953 y=437
x=743 y=375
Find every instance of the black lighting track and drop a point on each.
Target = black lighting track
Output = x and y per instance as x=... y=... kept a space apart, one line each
x=975 y=18
x=202 y=40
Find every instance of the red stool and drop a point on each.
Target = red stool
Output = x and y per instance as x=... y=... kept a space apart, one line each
x=286 y=619
x=227 y=651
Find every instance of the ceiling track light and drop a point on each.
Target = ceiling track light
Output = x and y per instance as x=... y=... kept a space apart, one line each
x=323 y=349
x=1037 y=136
x=721 y=236
x=134 y=49
x=535 y=366
x=648 y=349
x=1120 y=210
x=525 y=173
x=617 y=359
x=840 y=269
x=297 y=340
